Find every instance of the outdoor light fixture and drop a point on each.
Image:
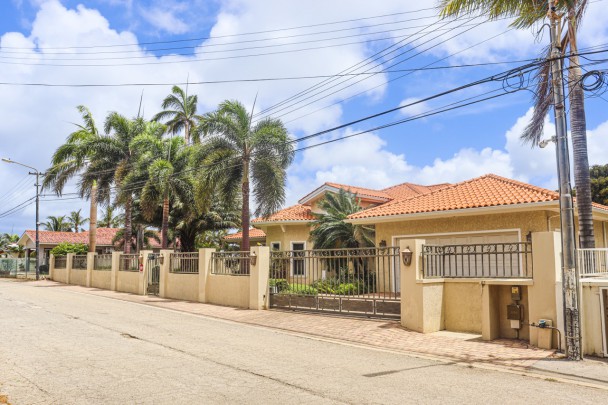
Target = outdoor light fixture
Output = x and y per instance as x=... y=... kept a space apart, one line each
x=383 y=243
x=544 y=143
x=253 y=258
x=406 y=255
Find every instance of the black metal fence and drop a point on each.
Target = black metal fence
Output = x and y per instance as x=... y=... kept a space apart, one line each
x=184 y=263
x=102 y=262
x=128 y=262
x=61 y=262
x=231 y=263
x=487 y=260
x=79 y=262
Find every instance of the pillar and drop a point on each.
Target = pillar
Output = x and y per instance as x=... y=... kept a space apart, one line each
x=90 y=266
x=68 y=267
x=144 y=274
x=114 y=273
x=204 y=269
x=52 y=266
x=164 y=272
x=258 y=277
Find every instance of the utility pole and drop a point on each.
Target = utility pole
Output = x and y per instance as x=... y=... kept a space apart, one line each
x=570 y=282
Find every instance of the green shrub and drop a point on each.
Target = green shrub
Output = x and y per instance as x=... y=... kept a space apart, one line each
x=301 y=289
x=64 y=248
x=280 y=283
x=348 y=289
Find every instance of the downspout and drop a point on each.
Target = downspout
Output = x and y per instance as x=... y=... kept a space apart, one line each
x=604 y=233
x=549 y=221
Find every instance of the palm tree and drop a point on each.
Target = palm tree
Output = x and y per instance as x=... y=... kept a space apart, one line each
x=180 y=113
x=330 y=231
x=528 y=13
x=109 y=220
x=72 y=159
x=237 y=152
x=147 y=235
x=76 y=221
x=161 y=166
x=57 y=224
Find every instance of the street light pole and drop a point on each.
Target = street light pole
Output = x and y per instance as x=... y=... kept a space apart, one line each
x=37 y=173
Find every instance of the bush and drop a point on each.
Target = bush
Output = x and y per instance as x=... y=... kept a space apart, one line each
x=280 y=283
x=64 y=248
x=301 y=289
x=348 y=289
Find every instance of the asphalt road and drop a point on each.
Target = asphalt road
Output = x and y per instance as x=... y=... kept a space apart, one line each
x=60 y=346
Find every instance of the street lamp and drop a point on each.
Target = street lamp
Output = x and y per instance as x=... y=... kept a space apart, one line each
x=37 y=173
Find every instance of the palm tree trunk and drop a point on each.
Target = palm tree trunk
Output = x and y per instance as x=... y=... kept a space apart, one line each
x=582 y=178
x=187 y=133
x=93 y=219
x=165 y=226
x=128 y=230
x=245 y=212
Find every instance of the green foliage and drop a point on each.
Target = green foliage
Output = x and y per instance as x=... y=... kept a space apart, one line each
x=599 y=184
x=57 y=224
x=301 y=289
x=280 y=283
x=64 y=248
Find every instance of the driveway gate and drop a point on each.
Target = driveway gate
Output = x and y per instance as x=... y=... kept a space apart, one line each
x=153 y=274
x=363 y=281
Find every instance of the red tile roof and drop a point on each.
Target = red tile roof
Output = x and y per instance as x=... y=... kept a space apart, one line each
x=104 y=237
x=294 y=213
x=408 y=190
x=361 y=192
x=254 y=233
x=485 y=191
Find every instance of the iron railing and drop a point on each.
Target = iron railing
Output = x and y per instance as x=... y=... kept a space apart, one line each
x=592 y=262
x=79 y=262
x=486 y=260
x=102 y=262
x=183 y=263
x=61 y=262
x=231 y=263
x=128 y=262
x=12 y=266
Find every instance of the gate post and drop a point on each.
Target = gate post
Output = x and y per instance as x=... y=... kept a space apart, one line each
x=90 y=265
x=114 y=273
x=204 y=268
x=68 y=267
x=258 y=277
x=52 y=267
x=144 y=274
x=164 y=272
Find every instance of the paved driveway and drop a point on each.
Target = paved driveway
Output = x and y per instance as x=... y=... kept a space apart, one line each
x=59 y=345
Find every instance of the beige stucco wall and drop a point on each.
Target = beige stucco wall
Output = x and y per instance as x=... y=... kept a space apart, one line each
x=128 y=281
x=101 y=279
x=462 y=306
x=592 y=317
x=78 y=277
x=293 y=233
x=227 y=290
x=60 y=275
x=182 y=286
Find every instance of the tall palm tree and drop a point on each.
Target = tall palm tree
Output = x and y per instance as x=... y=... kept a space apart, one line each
x=76 y=221
x=57 y=224
x=237 y=153
x=109 y=220
x=72 y=159
x=147 y=236
x=162 y=167
x=526 y=14
x=330 y=231
x=180 y=113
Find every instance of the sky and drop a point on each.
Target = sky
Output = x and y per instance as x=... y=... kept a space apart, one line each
x=406 y=52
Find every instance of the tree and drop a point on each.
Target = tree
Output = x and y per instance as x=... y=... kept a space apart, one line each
x=109 y=220
x=238 y=152
x=64 y=248
x=180 y=113
x=162 y=168
x=526 y=14
x=57 y=224
x=330 y=231
x=76 y=221
x=72 y=159
x=599 y=183
x=147 y=236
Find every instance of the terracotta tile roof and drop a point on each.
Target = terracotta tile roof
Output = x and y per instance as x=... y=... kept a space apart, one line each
x=408 y=190
x=253 y=233
x=294 y=213
x=361 y=191
x=104 y=237
x=485 y=191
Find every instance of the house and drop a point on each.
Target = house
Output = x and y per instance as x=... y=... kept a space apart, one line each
x=486 y=209
x=256 y=237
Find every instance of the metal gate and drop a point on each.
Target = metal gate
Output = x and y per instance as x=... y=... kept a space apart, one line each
x=153 y=274
x=361 y=281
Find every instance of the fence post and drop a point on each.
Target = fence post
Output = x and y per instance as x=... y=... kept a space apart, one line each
x=52 y=266
x=143 y=287
x=114 y=273
x=69 y=262
x=258 y=277
x=545 y=295
x=421 y=300
x=164 y=272
x=90 y=265
x=204 y=268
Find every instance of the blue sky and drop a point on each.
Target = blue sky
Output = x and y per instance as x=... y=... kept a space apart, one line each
x=450 y=147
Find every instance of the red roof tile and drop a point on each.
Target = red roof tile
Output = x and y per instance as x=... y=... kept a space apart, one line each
x=408 y=190
x=104 y=237
x=294 y=213
x=253 y=233
x=361 y=192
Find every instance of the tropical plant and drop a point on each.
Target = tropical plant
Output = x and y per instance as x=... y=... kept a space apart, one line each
x=109 y=220
x=179 y=113
x=64 y=248
x=72 y=159
x=76 y=221
x=330 y=231
x=238 y=152
x=147 y=236
x=526 y=14
x=57 y=224
x=599 y=184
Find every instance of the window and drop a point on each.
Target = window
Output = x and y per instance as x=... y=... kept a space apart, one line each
x=275 y=246
x=298 y=267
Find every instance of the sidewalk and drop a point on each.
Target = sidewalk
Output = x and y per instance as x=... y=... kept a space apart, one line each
x=387 y=335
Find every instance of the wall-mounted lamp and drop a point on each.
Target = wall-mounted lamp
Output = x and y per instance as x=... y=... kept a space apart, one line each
x=161 y=259
x=382 y=243
x=406 y=255
x=543 y=144
x=253 y=258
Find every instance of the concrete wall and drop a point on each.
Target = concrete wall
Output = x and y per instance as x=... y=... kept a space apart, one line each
x=60 y=275
x=591 y=306
x=129 y=281
x=292 y=233
x=101 y=279
x=182 y=286
x=78 y=277
x=462 y=306
x=232 y=291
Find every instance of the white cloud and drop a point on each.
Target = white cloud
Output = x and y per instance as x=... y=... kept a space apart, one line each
x=420 y=107
x=164 y=17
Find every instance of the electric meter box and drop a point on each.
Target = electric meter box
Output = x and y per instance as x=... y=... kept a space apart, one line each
x=515 y=293
x=514 y=312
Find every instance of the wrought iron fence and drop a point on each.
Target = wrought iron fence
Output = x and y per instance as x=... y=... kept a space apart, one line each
x=102 y=262
x=128 y=262
x=184 y=263
x=79 y=262
x=231 y=263
x=592 y=262
x=485 y=260
x=61 y=262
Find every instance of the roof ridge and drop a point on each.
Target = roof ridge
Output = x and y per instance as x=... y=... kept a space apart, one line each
x=522 y=184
